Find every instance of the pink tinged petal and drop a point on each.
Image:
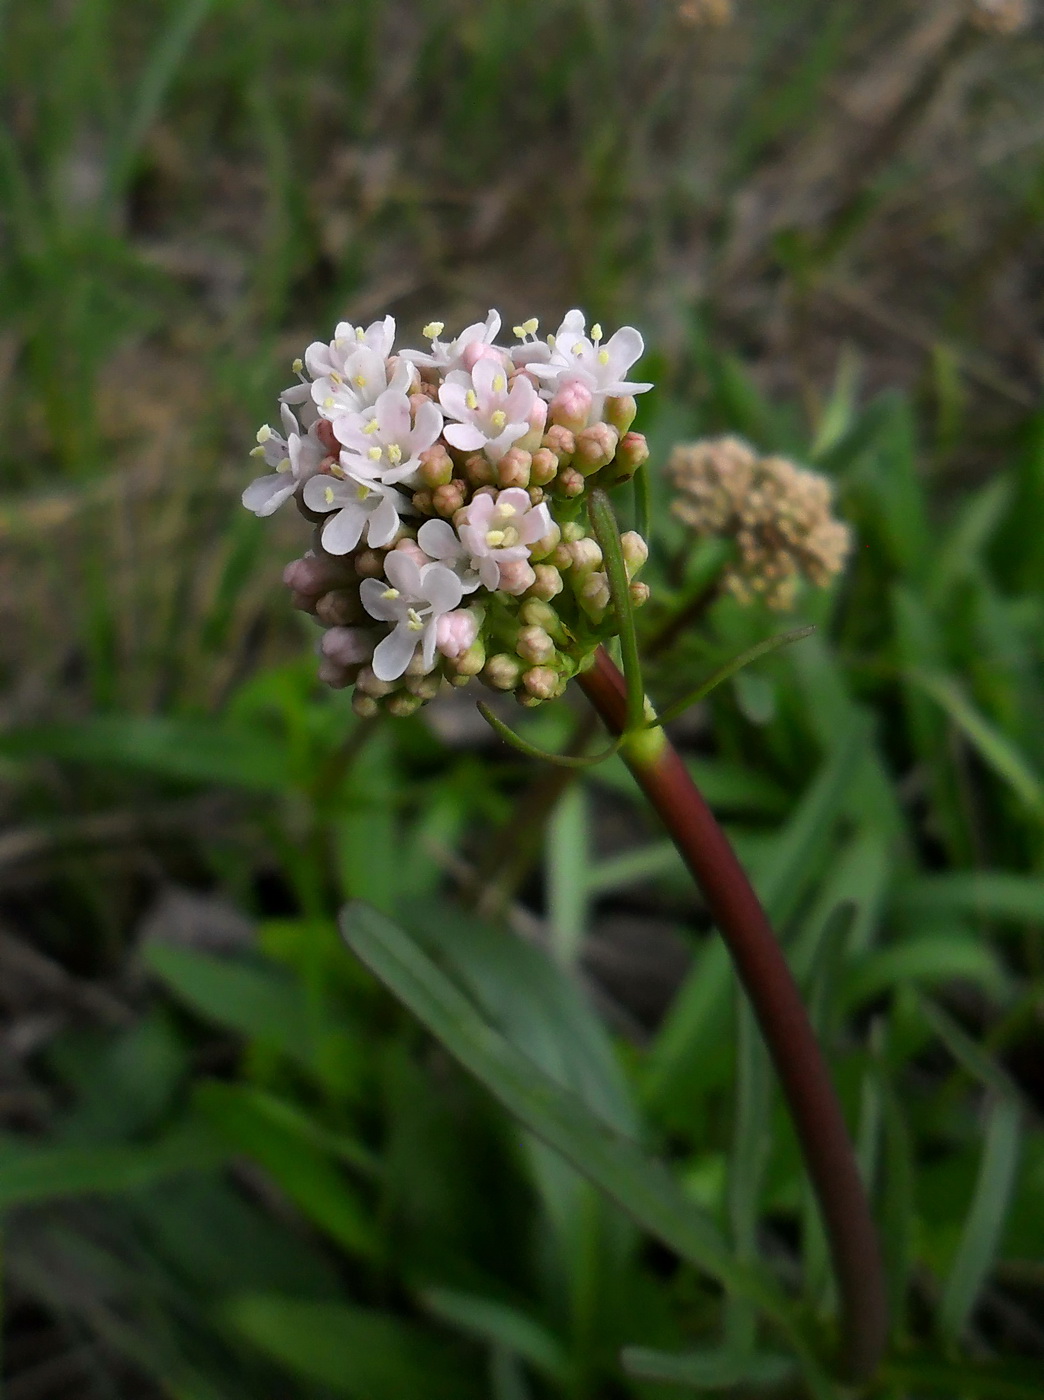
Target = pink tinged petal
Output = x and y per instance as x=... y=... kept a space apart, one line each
x=439 y=540
x=480 y=511
x=372 y=593
x=384 y=522
x=465 y=437
x=623 y=349
x=521 y=398
x=496 y=447
x=268 y=493
x=515 y=497
x=441 y=587
x=395 y=653
x=483 y=375
x=348 y=430
x=318 y=360
x=315 y=497
x=403 y=378
x=393 y=415
x=402 y=573
x=342 y=531
x=536 y=525
x=489 y=572
x=426 y=428
x=383 y=333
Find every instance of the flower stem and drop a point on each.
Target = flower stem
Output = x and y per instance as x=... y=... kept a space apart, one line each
x=784 y=1022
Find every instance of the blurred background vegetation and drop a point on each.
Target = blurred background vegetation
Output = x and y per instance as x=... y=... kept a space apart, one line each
x=230 y=1166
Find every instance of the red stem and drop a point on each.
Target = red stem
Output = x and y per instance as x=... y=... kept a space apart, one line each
x=784 y=1022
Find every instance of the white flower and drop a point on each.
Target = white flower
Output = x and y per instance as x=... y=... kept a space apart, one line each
x=532 y=349
x=439 y=541
x=600 y=367
x=359 y=504
x=448 y=355
x=490 y=415
x=358 y=382
x=378 y=338
x=385 y=442
x=501 y=529
x=296 y=458
x=414 y=599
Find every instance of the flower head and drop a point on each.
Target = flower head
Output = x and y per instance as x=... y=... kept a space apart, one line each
x=602 y=368
x=491 y=414
x=449 y=355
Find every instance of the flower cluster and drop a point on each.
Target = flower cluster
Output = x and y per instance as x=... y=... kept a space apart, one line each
x=1002 y=16
x=448 y=489
x=778 y=514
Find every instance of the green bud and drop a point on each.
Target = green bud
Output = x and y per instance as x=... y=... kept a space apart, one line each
x=502 y=671
x=534 y=645
x=620 y=412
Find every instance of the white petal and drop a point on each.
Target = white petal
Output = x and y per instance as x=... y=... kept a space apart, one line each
x=625 y=347
x=453 y=395
x=439 y=540
x=403 y=573
x=441 y=587
x=395 y=653
x=315 y=493
x=384 y=521
x=342 y=531
x=465 y=437
x=489 y=572
x=268 y=493
x=428 y=645
x=372 y=593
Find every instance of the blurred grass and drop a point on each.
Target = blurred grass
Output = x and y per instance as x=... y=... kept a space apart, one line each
x=825 y=221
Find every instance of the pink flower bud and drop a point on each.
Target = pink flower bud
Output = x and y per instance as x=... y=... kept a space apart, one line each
x=535 y=645
x=620 y=412
x=315 y=574
x=543 y=547
x=471 y=662
x=569 y=482
x=325 y=433
x=337 y=677
x=455 y=632
x=571 y=406
x=413 y=551
x=369 y=563
x=449 y=498
x=635 y=551
x=514 y=467
x=480 y=350
x=549 y=582
x=639 y=593
x=340 y=607
x=534 y=434
x=561 y=442
x=436 y=466
x=516 y=575
x=586 y=555
x=595 y=448
x=502 y=672
x=303 y=602
x=593 y=595
x=348 y=646
x=540 y=682
x=478 y=469
x=544 y=467
x=632 y=453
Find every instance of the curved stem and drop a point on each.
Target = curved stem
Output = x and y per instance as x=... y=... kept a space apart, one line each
x=784 y=1022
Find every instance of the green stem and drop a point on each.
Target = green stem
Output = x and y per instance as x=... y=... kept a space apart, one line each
x=768 y=982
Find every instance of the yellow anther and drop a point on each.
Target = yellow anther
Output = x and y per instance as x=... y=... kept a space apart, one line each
x=498 y=418
x=551 y=342
x=264 y=433
x=328 y=403
x=596 y=332
x=374 y=454
x=328 y=495
x=360 y=334
x=298 y=365
x=284 y=465
x=335 y=378
x=578 y=349
x=257 y=452
x=371 y=427
x=530 y=326
x=520 y=331
x=394 y=453
x=362 y=491
x=603 y=357
x=433 y=329
x=499 y=384
x=506 y=512
x=414 y=622
x=495 y=538
x=510 y=536
x=471 y=399
x=360 y=381
x=390 y=593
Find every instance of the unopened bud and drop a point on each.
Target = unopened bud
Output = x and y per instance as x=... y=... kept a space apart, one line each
x=479 y=350
x=340 y=607
x=543 y=546
x=516 y=575
x=335 y=676
x=540 y=682
x=315 y=574
x=412 y=550
x=513 y=468
x=471 y=662
x=348 y=646
x=639 y=593
x=569 y=482
x=364 y=705
x=502 y=672
x=426 y=686
x=436 y=466
x=620 y=412
x=534 y=613
x=573 y=530
x=369 y=563
x=595 y=448
x=635 y=551
x=455 y=631
x=561 y=442
x=632 y=453
x=593 y=595
x=586 y=555
x=534 y=434
x=571 y=406
x=535 y=645
x=561 y=558
x=402 y=704
x=422 y=501
x=478 y=469
x=548 y=582
x=544 y=467
x=537 y=495
x=303 y=602
x=449 y=498
x=370 y=685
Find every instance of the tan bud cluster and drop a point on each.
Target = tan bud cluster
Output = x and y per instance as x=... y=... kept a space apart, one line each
x=779 y=515
x=1001 y=16
x=705 y=14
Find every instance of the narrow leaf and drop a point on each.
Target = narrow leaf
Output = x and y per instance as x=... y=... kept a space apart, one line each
x=723 y=673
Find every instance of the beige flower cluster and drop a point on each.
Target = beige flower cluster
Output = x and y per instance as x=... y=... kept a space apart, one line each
x=779 y=515
x=710 y=14
x=1002 y=16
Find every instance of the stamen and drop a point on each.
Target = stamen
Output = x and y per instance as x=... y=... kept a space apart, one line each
x=394 y=453
x=578 y=349
x=371 y=427
x=328 y=495
x=498 y=418
x=530 y=326
x=495 y=538
x=360 y=334
x=471 y=399
x=413 y=620
x=298 y=365
x=506 y=511
x=264 y=433
x=510 y=536
x=374 y=454
x=335 y=378
x=603 y=357
x=551 y=342
x=390 y=593
x=328 y=403
x=362 y=491
x=257 y=452
x=433 y=329
x=596 y=332
x=284 y=465
x=360 y=381
x=499 y=384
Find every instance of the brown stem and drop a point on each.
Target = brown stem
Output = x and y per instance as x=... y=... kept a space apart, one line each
x=777 y=1004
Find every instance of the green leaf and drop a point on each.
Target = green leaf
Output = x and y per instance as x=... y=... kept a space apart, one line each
x=358 y=1352
x=932 y=958
x=497 y=1323
x=723 y=673
x=607 y=532
x=987 y=894
x=641 y=1186
x=1010 y=1379
x=707 y=1370
x=200 y=751
x=994 y=747
x=566 y=866
x=985 y=1223
x=29 y=1175
x=291 y=1158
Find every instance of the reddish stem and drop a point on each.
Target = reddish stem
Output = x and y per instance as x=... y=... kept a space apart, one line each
x=784 y=1022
